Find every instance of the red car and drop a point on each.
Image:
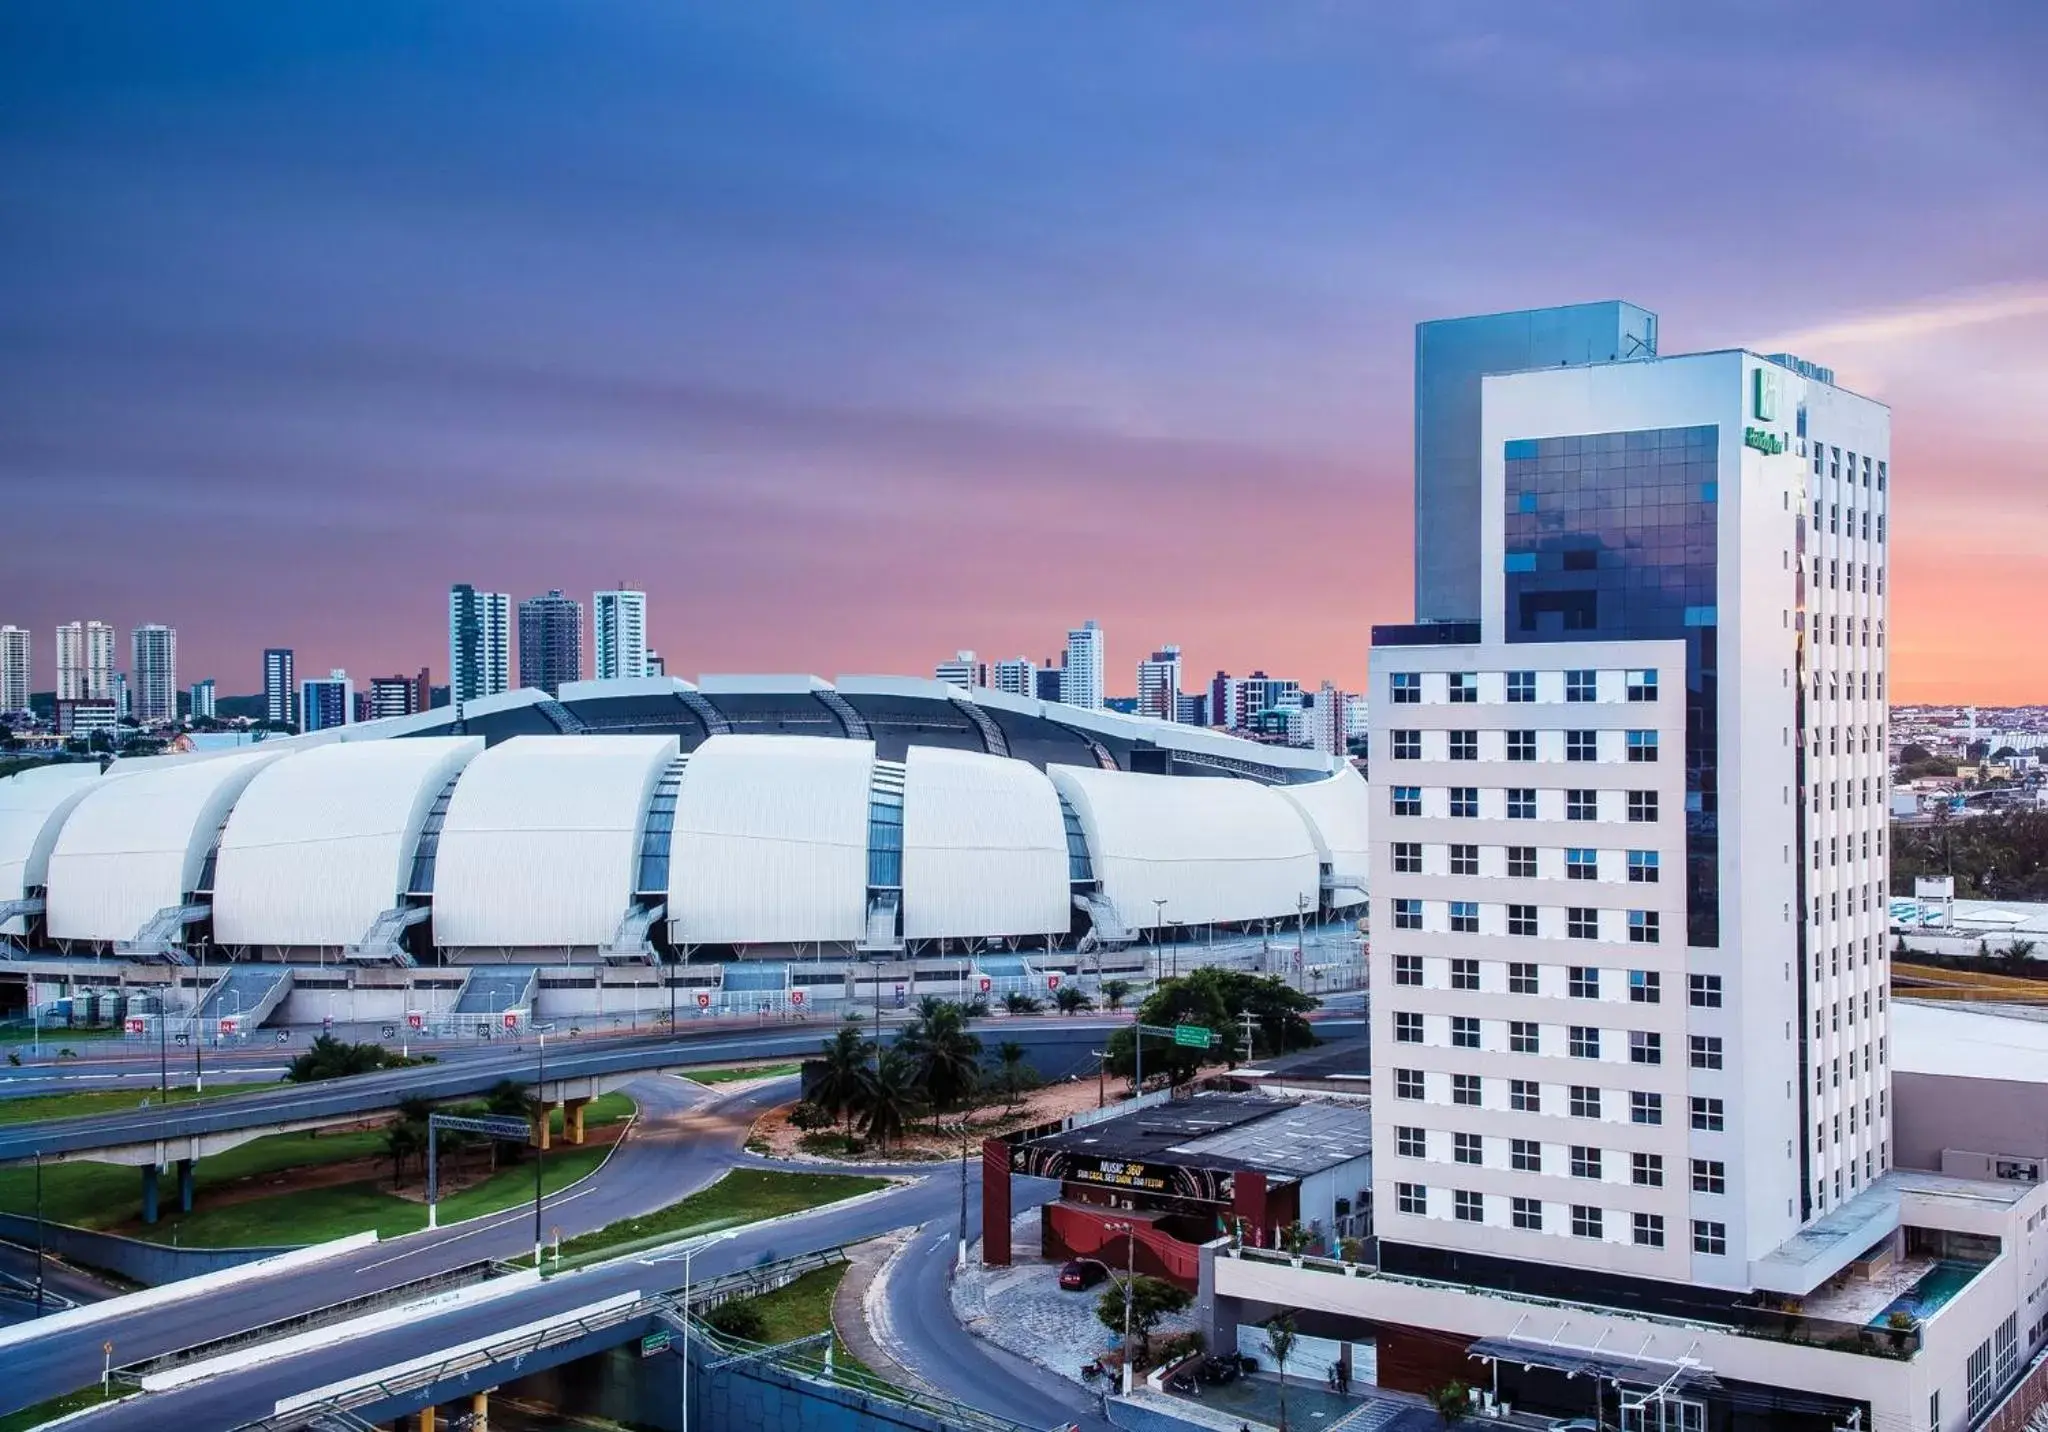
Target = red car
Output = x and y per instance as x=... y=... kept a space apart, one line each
x=1077 y=1273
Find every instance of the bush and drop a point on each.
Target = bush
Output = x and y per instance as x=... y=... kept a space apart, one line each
x=739 y=1319
x=810 y=1116
x=829 y=1143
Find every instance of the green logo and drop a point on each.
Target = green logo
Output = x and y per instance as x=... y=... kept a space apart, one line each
x=1763 y=441
x=1766 y=395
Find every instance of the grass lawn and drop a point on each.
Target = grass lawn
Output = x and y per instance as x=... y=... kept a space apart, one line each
x=732 y=1076
x=104 y=1101
x=36 y=1416
x=745 y=1195
x=19 y=1036
x=804 y=1308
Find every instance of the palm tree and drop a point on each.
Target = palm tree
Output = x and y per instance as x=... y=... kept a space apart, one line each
x=1017 y=1002
x=1114 y=992
x=945 y=1059
x=402 y=1144
x=1013 y=1075
x=1072 y=999
x=890 y=1099
x=843 y=1076
x=1280 y=1339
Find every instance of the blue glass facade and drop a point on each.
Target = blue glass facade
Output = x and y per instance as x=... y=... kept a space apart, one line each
x=656 y=839
x=1612 y=536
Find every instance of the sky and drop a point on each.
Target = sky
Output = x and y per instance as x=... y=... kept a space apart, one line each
x=856 y=334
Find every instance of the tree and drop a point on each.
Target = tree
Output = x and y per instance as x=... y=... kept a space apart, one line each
x=1151 y=1300
x=404 y=1141
x=1451 y=1402
x=329 y=1058
x=1280 y=1336
x=1017 y=1002
x=1217 y=999
x=891 y=1098
x=1115 y=992
x=1072 y=999
x=1013 y=1075
x=843 y=1074
x=945 y=1059
x=738 y=1319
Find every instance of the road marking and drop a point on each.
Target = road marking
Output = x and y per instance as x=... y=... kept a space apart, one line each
x=511 y=1216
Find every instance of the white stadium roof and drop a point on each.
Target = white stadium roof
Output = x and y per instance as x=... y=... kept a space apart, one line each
x=33 y=806
x=984 y=848
x=1336 y=811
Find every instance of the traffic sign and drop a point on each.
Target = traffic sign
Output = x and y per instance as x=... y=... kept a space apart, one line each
x=703 y=1001
x=416 y=1020
x=230 y=1023
x=796 y=996
x=1192 y=1036
x=655 y=1343
x=511 y=1019
x=136 y=1026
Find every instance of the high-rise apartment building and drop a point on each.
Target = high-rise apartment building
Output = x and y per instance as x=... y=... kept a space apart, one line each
x=154 y=673
x=1051 y=680
x=394 y=696
x=280 y=691
x=1081 y=675
x=963 y=670
x=479 y=643
x=1328 y=723
x=205 y=703
x=326 y=701
x=1451 y=356
x=85 y=662
x=17 y=668
x=1018 y=676
x=619 y=626
x=1159 y=684
x=1226 y=701
x=423 y=690
x=550 y=642
x=656 y=666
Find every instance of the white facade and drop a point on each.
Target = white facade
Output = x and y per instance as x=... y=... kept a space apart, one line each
x=1338 y=814
x=479 y=643
x=85 y=662
x=205 y=704
x=280 y=690
x=322 y=842
x=33 y=807
x=1018 y=676
x=984 y=848
x=1081 y=677
x=16 y=668
x=155 y=673
x=1159 y=684
x=619 y=626
x=771 y=841
x=964 y=670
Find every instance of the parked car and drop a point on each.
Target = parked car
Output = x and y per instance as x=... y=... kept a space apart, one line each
x=1077 y=1273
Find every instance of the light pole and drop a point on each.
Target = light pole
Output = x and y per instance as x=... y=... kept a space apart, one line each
x=1130 y=1277
x=540 y=1152
x=689 y=1317
x=1158 y=923
x=39 y=1232
x=1174 y=925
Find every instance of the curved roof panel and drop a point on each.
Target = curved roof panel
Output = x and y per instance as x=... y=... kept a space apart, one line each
x=1216 y=849
x=984 y=848
x=541 y=843
x=33 y=808
x=320 y=844
x=1336 y=811
x=136 y=845
x=771 y=841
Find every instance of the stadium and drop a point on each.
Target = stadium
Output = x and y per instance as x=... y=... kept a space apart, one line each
x=756 y=842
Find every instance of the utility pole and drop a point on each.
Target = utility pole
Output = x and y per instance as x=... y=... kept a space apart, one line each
x=540 y=1152
x=1130 y=1277
x=1159 y=923
x=163 y=1049
x=1248 y=1036
x=39 y=1232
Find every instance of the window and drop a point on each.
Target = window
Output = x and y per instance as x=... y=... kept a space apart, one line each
x=1645 y=987
x=1649 y=1230
x=1643 y=927
x=1703 y=991
x=1412 y=1198
x=1646 y=1170
x=1585 y=1101
x=1709 y=1116
x=1521 y=862
x=1581 y=864
x=1581 y=805
x=1407 y=913
x=1642 y=807
x=1584 y=1042
x=1521 y=803
x=1642 y=745
x=1645 y=1107
x=1525 y=1096
x=1521 y=978
x=1529 y=1214
x=1583 y=982
x=1709 y=1236
x=1706 y=1051
x=1407 y=1083
x=1521 y=745
x=1645 y=1046
x=1526 y=1155
x=1407 y=745
x=1582 y=922
x=1407 y=857
x=1407 y=1027
x=1585 y=1221
x=1464 y=688
x=1642 y=685
x=1464 y=745
x=1522 y=1037
x=1465 y=1089
x=1470 y=1207
x=1582 y=745
x=1407 y=969
x=1407 y=800
x=1581 y=686
x=1586 y=1162
x=1468 y=1148
x=1465 y=802
x=1464 y=860
x=1521 y=919
x=1709 y=1176
x=1465 y=917
x=1406 y=688
x=1464 y=1032
x=1464 y=974
x=1642 y=866
x=1521 y=686
x=1410 y=1142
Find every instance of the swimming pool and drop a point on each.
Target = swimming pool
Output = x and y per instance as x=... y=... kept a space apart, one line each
x=1936 y=1286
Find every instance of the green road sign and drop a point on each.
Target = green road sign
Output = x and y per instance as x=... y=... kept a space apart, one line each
x=1194 y=1036
x=655 y=1343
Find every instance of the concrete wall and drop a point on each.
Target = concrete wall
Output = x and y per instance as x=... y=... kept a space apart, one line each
x=1935 y=1112
x=139 y=1262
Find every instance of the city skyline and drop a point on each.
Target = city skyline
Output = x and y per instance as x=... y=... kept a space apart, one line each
x=263 y=338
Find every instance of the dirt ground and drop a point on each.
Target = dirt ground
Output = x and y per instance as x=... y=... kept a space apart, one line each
x=774 y=1135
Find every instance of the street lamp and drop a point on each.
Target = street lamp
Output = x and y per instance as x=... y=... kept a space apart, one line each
x=690 y=1249
x=540 y=1152
x=1130 y=1276
x=1158 y=923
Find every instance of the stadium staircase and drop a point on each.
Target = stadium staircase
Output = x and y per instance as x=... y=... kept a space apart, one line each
x=881 y=935
x=630 y=945
x=248 y=994
x=493 y=989
x=1105 y=924
x=159 y=935
x=384 y=942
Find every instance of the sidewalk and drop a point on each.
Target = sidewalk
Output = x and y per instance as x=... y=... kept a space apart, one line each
x=851 y=1313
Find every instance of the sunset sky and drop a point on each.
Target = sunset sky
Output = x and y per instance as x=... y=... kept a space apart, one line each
x=856 y=333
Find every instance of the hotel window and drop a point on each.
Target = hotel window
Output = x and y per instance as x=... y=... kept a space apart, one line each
x=1646 y=1170
x=1407 y=969
x=1523 y=1037
x=1407 y=1027
x=1465 y=802
x=1642 y=867
x=1585 y=1101
x=1464 y=860
x=1581 y=805
x=1706 y=1051
x=1407 y=1083
x=1585 y=1221
x=1525 y=1096
x=1468 y=1148
x=1463 y=688
x=1521 y=978
x=1407 y=745
x=1642 y=745
x=1407 y=857
x=1521 y=745
x=1645 y=1107
x=1643 y=927
x=1709 y=1116
x=1642 y=807
x=1649 y=1230
x=1412 y=1198
x=1521 y=803
x=1703 y=991
x=1521 y=686
x=1466 y=1089
x=1642 y=685
x=1522 y=920
x=1583 y=982
x=1521 y=862
x=1410 y=1142
x=1464 y=1032
x=1464 y=974
x=1645 y=987
x=1581 y=686
x=1709 y=1236
x=1709 y=1176
x=1407 y=800
x=1406 y=688
x=1582 y=922
x=1464 y=745
x=1464 y=917
x=1582 y=745
x=1582 y=864
x=1526 y=1156
x=1407 y=913
x=1587 y=1162
x=1645 y=1047
x=1470 y=1207
x=1529 y=1214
